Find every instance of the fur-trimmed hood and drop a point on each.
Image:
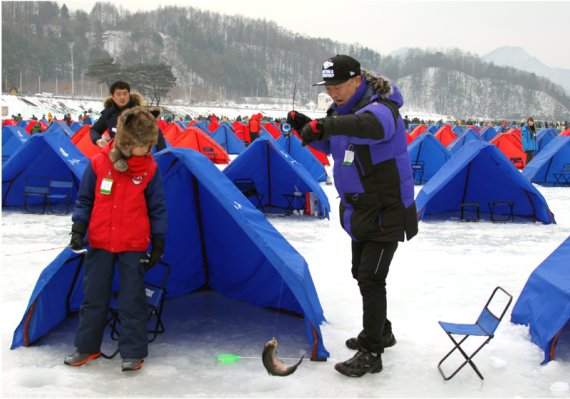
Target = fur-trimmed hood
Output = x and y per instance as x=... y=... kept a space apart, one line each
x=383 y=88
x=136 y=100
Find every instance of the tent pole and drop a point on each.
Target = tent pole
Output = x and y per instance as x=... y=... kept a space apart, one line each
x=269 y=174
x=201 y=228
x=466 y=183
x=548 y=169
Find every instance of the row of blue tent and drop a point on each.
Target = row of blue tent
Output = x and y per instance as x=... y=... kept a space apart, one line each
x=488 y=133
x=487 y=175
x=428 y=152
x=14 y=136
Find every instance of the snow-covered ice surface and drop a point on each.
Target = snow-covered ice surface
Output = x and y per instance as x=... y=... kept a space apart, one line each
x=446 y=273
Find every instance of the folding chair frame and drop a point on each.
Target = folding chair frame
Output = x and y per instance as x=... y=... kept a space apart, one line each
x=60 y=192
x=485 y=326
x=155 y=295
x=36 y=187
x=248 y=189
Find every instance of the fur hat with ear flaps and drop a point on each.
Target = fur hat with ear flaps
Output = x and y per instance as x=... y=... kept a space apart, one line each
x=136 y=127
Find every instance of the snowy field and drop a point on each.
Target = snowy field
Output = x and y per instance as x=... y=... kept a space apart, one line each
x=446 y=273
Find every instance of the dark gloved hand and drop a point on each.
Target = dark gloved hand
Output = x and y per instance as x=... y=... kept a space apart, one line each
x=155 y=254
x=297 y=120
x=312 y=131
x=77 y=233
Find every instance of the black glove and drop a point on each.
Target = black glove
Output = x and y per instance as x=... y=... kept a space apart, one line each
x=312 y=131
x=77 y=233
x=155 y=254
x=297 y=120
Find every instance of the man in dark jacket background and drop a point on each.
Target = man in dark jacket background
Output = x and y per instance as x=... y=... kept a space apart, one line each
x=120 y=100
x=365 y=134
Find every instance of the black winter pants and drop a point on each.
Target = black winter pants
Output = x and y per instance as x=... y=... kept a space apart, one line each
x=99 y=269
x=370 y=265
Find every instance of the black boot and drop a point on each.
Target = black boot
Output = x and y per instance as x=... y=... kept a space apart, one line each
x=388 y=340
x=361 y=363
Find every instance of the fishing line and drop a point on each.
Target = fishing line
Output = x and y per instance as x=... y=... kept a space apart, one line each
x=39 y=250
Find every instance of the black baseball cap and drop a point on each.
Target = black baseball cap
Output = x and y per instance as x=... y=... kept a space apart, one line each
x=339 y=69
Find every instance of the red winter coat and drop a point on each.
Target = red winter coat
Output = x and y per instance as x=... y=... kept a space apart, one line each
x=119 y=221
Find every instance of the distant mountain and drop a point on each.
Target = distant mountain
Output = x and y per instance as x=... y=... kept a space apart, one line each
x=517 y=57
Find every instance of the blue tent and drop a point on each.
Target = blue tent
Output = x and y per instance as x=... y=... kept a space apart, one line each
x=264 y=133
x=293 y=146
x=433 y=129
x=460 y=141
x=488 y=133
x=204 y=126
x=51 y=155
x=216 y=240
x=458 y=130
x=480 y=174
x=427 y=156
x=60 y=126
x=543 y=167
x=276 y=175
x=544 y=137
x=75 y=126
x=544 y=303
x=225 y=136
x=12 y=138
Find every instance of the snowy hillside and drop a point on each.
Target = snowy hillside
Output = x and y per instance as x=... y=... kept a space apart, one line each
x=465 y=96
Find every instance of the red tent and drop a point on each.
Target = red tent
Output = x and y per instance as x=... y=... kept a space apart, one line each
x=511 y=146
x=198 y=140
x=214 y=123
x=273 y=130
x=417 y=131
x=445 y=135
x=9 y=122
x=242 y=131
x=161 y=124
x=82 y=141
x=565 y=132
x=32 y=123
x=515 y=132
x=409 y=138
x=171 y=132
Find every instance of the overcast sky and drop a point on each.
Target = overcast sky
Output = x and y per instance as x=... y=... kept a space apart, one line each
x=541 y=28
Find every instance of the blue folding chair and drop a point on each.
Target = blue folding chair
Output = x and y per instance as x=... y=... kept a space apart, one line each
x=484 y=327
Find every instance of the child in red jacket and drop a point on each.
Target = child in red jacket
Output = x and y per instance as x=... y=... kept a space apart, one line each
x=121 y=206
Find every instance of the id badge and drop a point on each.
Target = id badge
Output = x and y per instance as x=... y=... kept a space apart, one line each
x=106 y=185
x=348 y=158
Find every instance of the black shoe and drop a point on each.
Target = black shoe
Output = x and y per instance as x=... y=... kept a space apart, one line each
x=77 y=358
x=361 y=363
x=387 y=341
x=131 y=364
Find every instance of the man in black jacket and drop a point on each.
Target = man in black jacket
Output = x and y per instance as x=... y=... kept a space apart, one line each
x=121 y=99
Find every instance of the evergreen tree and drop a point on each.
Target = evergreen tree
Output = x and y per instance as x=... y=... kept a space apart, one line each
x=154 y=81
x=105 y=70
